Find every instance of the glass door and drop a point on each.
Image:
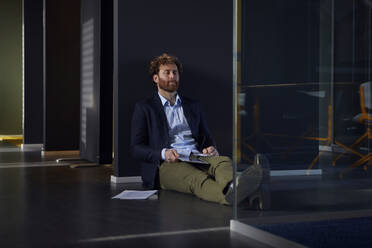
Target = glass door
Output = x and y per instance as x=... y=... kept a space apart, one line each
x=302 y=72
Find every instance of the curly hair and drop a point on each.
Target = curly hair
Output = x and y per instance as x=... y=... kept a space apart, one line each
x=164 y=59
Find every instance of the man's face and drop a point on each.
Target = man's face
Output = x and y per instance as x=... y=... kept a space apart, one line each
x=168 y=78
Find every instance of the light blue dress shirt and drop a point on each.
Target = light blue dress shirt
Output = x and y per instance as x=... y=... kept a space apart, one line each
x=179 y=131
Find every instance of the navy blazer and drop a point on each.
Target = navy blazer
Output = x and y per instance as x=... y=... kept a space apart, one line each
x=149 y=134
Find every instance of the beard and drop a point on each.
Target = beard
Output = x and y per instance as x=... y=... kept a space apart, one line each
x=169 y=86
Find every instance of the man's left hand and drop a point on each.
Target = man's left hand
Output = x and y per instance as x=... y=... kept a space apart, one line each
x=212 y=151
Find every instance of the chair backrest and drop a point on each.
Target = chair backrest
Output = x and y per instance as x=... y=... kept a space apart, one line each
x=365 y=97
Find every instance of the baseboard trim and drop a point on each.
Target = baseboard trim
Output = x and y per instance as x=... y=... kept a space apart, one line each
x=323 y=148
x=315 y=172
x=31 y=147
x=261 y=236
x=115 y=179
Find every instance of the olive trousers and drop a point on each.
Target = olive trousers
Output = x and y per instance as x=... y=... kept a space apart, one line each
x=206 y=181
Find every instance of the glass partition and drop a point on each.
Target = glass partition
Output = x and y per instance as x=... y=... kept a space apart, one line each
x=302 y=99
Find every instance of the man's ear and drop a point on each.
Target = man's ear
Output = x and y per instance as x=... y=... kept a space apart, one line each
x=155 y=78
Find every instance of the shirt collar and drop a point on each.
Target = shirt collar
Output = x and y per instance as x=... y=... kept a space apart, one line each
x=164 y=101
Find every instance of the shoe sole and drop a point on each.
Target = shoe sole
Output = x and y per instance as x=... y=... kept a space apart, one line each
x=248 y=182
x=264 y=191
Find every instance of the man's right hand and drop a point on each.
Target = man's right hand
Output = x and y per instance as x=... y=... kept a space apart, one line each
x=171 y=155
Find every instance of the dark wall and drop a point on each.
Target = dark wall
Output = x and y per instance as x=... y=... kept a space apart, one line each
x=200 y=34
x=280 y=51
x=33 y=71
x=62 y=75
x=352 y=41
x=280 y=41
x=106 y=87
x=280 y=45
x=96 y=81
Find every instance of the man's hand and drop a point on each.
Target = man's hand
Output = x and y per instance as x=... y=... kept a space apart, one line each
x=211 y=151
x=171 y=155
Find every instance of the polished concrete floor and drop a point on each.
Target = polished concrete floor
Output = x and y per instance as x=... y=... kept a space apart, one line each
x=49 y=204
x=60 y=206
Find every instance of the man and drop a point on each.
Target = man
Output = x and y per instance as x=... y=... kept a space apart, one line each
x=169 y=131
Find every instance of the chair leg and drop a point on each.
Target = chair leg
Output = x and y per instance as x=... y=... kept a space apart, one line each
x=369 y=163
x=350 y=149
x=356 y=164
x=314 y=161
x=317 y=157
x=247 y=158
x=250 y=148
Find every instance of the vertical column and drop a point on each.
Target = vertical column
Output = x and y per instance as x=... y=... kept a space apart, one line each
x=96 y=81
x=61 y=74
x=33 y=71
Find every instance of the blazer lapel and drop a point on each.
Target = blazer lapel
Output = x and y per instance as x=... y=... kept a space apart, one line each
x=163 y=123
